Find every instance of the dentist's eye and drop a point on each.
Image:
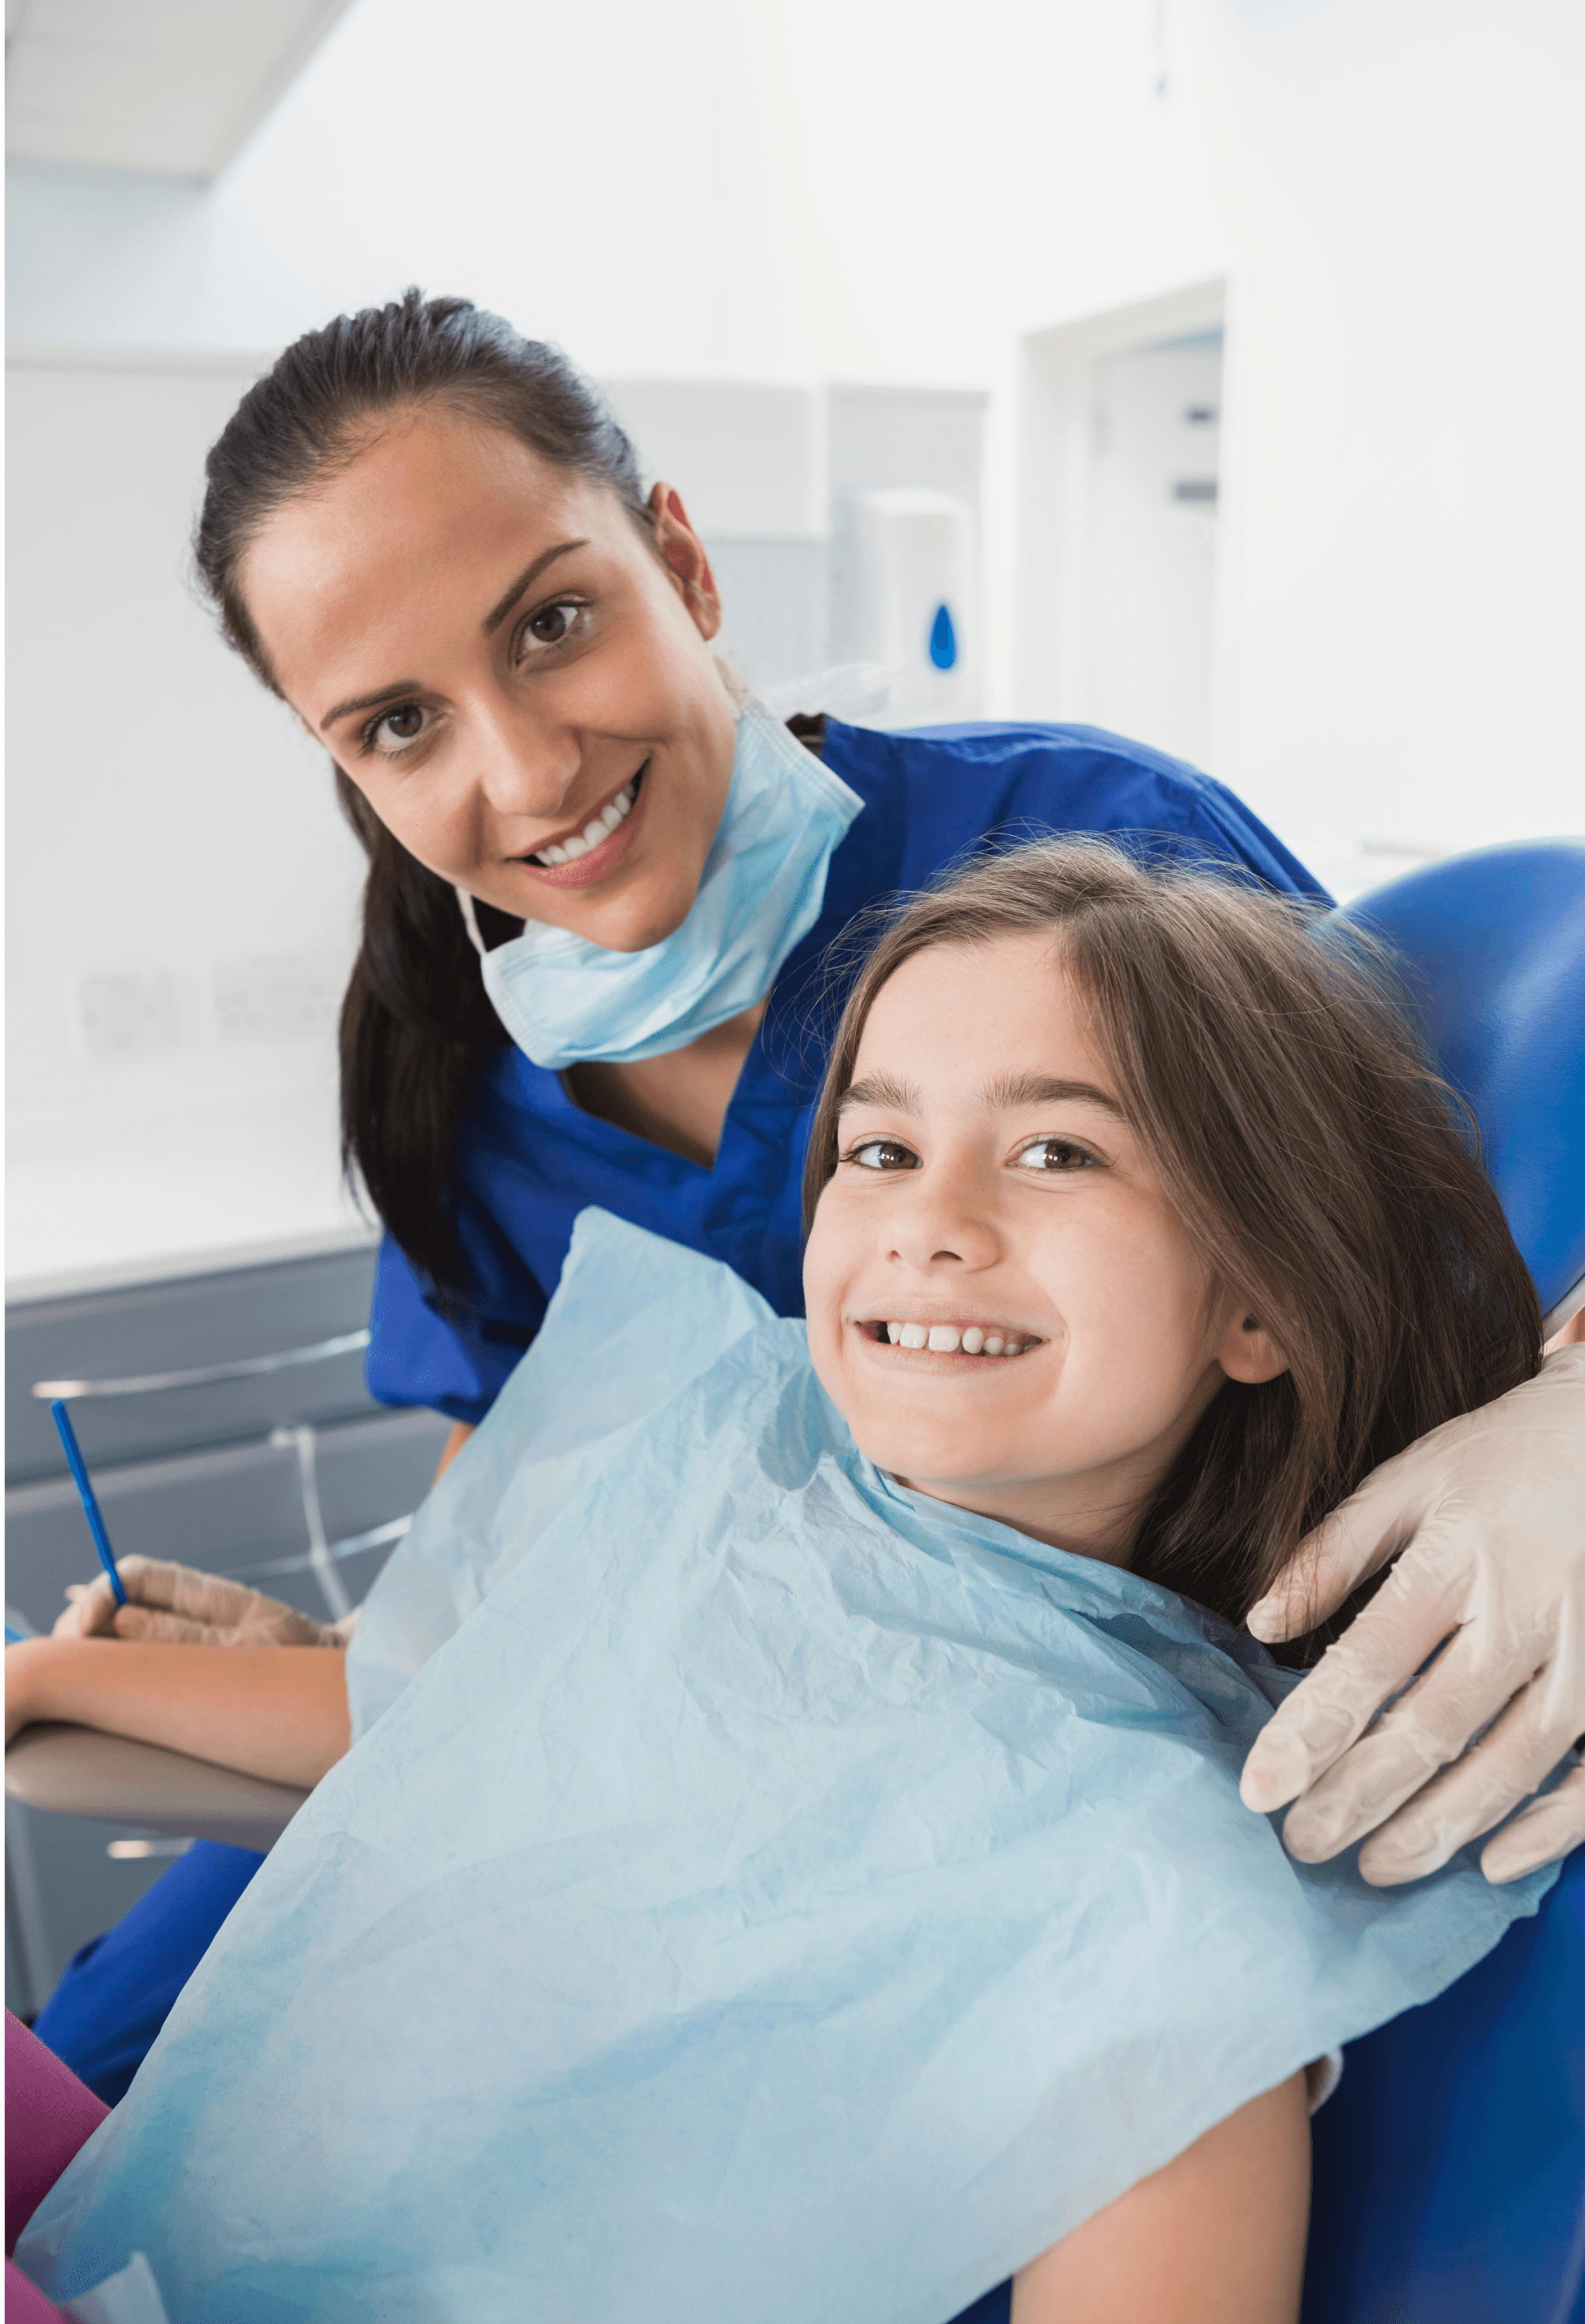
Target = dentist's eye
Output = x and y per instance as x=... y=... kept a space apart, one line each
x=1050 y=1157
x=881 y=1154
x=396 y=731
x=549 y=625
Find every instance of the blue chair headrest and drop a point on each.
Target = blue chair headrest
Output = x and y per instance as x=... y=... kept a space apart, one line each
x=1493 y=945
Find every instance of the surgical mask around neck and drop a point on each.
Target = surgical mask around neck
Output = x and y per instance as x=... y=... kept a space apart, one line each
x=565 y=1000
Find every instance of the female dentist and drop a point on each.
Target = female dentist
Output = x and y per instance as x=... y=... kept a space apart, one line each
x=600 y=893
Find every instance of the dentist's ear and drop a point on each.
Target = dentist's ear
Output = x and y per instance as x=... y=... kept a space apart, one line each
x=682 y=550
x=1250 y=1353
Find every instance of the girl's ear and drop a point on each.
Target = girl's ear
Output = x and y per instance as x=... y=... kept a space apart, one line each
x=682 y=549
x=1248 y=1353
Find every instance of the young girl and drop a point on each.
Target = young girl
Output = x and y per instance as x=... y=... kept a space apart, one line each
x=814 y=1883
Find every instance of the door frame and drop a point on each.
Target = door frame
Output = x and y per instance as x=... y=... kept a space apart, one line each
x=1055 y=398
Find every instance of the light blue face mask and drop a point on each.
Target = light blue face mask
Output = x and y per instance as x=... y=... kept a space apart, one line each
x=564 y=1000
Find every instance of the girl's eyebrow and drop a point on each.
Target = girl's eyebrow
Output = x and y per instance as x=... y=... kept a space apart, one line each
x=880 y=1090
x=1015 y=1090
x=1002 y=1096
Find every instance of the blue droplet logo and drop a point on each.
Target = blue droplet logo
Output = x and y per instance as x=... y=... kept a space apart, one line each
x=943 y=640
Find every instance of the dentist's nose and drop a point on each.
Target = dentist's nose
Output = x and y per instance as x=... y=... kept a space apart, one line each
x=525 y=766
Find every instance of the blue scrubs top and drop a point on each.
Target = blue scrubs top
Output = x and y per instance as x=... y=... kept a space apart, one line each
x=529 y=1159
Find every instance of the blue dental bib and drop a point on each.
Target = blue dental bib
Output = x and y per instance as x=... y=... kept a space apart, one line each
x=756 y=1890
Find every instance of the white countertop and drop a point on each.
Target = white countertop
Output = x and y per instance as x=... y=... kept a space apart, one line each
x=175 y=1173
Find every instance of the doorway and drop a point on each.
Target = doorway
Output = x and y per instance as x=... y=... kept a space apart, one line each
x=1121 y=471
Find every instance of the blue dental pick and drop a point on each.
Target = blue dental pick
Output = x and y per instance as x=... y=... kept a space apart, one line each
x=90 y=1506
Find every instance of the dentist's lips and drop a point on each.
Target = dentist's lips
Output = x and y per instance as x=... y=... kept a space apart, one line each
x=600 y=856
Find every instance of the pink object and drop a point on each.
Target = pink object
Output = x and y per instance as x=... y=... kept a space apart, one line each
x=49 y=2114
x=25 y=2303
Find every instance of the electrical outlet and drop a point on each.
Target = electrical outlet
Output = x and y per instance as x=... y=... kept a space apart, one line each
x=285 y=996
x=129 y=1013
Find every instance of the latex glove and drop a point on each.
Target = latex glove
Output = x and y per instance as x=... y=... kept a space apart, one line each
x=176 y=1604
x=1488 y=1512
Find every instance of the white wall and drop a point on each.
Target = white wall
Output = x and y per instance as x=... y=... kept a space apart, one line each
x=174 y=843
x=592 y=174
x=182 y=892
x=1405 y=353
x=855 y=190
x=1393 y=190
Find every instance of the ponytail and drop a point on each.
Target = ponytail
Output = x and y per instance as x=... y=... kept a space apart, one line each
x=416 y=1024
x=416 y=1029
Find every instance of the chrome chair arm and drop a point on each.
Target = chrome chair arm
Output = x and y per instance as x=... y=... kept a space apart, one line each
x=203 y=1375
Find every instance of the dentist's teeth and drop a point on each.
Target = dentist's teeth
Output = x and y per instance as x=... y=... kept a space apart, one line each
x=893 y=1332
x=593 y=833
x=943 y=1339
x=1014 y=1348
x=995 y=1345
x=914 y=1335
x=973 y=1340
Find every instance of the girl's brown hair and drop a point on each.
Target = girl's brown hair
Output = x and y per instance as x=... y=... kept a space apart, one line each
x=1323 y=1170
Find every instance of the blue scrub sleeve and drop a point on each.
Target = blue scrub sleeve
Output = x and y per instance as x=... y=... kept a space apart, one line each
x=1242 y=837
x=418 y=1356
x=117 y=1993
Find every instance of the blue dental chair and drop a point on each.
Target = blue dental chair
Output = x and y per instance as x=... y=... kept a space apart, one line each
x=1493 y=949
x=1450 y=2166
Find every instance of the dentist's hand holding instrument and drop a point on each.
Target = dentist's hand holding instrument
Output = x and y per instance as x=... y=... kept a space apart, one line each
x=175 y=1605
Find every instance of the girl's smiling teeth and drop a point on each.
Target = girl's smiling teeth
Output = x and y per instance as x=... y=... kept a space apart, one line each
x=952 y=1339
x=596 y=831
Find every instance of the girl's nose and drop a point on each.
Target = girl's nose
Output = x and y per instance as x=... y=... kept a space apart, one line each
x=943 y=1222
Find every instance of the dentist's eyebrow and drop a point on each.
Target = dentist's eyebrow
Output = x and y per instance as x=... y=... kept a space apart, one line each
x=526 y=579
x=1006 y=1094
x=397 y=693
x=493 y=619
x=880 y=1090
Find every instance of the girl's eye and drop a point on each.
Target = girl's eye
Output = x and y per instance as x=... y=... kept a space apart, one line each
x=1051 y=1157
x=398 y=730
x=553 y=625
x=883 y=1154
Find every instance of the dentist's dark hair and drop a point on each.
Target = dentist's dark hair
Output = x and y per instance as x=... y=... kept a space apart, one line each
x=416 y=1025
x=1269 y=1067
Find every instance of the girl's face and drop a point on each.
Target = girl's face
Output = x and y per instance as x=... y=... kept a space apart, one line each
x=494 y=653
x=990 y=1194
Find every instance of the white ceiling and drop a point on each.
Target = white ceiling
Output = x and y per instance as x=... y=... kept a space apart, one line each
x=173 y=86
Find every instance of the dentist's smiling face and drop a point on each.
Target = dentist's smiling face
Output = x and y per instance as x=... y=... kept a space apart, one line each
x=990 y=1195
x=494 y=651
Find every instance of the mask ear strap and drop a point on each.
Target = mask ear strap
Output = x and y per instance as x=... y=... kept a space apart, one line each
x=470 y=921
